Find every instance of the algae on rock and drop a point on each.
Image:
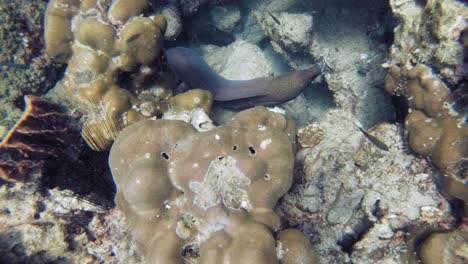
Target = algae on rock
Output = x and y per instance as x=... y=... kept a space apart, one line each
x=429 y=32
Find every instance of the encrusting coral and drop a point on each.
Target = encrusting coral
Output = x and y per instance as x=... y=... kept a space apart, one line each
x=208 y=196
x=434 y=127
x=116 y=74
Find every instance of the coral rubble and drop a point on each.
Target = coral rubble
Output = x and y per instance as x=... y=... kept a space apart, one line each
x=60 y=227
x=354 y=197
x=208 y=196
x=429 y=32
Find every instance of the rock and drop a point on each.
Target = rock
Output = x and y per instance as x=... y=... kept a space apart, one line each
x=290 y=31
x=342 y=40
x=174 y=22
x=251 y=31
x=225 y=17
x=59 y=227
x=239 y=61
x=353 y=196
x=429 y=32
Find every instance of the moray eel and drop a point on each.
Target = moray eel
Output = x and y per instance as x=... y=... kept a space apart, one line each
x=238 y=94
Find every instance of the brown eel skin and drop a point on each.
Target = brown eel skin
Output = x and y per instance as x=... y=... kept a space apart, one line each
x=236 y=94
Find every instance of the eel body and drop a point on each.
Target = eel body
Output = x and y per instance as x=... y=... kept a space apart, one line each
x=237 y=94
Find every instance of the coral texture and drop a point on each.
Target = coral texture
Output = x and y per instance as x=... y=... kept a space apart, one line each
x=451 y=247
x=114 y=74
x=240 y=60
x=433 y=127
x=208 y=196
x=429 y=32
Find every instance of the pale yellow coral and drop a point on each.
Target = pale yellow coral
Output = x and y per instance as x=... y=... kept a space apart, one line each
x=208 y=197
x=433 y=127
x=192 y=99
x=114 y=66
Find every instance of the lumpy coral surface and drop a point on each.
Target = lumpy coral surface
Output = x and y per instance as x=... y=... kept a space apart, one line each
x=205 y=195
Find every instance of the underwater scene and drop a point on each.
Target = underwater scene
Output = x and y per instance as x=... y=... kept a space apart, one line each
x=234 y=131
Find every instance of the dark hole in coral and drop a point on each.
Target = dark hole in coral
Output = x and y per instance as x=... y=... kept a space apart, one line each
x=252 y=150
x=421 y=3
x=461 y=94
x=7 y=211
x=40 y=206
x=19 y=102
x=348 y=240
x=165 y=155
x=234 y=147
x=401 y=108
x=90 y=234
x=190 y=251
x=87 y=177
x=220 y=157
x=267 y=177
x=377 y=211
x=175 y=146
x=37 y=216
x=18 y=249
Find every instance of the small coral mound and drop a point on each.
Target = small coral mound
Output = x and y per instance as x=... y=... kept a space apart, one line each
x=433 y=127
x=208 y=196
x=451 y=247
x=43 y=134
x=115 y=75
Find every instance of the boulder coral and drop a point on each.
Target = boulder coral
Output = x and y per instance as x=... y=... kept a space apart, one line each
x=434 y=127
x=208 y=197
x=115 y=74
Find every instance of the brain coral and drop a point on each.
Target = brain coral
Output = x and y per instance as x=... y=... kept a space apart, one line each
x=115 y=75
x=208 y=196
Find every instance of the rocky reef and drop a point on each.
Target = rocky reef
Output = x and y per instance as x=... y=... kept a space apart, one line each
x=356 y=199
x=377 y=172
x=430 y=32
